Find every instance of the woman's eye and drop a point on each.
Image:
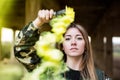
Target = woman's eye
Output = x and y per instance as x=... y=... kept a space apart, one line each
x=67 y=39
x=79 y=38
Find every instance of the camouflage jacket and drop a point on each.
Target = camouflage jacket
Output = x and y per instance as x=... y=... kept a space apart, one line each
x=24 y=46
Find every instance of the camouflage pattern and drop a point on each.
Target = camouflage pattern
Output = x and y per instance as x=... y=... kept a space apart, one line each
x=24 y=49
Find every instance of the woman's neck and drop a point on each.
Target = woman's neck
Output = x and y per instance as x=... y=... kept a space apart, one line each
x=74 y=63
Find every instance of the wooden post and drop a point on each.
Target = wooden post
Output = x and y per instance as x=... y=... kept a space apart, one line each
x=109 y=56
x=98 y=51
x=12 y=48
x=31 y=9
x=0 y=45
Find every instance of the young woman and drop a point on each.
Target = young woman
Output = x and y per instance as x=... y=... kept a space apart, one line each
x=78 y=52
x=76 y=48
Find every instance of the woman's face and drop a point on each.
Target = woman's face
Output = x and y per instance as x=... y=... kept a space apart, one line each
x=74 y=43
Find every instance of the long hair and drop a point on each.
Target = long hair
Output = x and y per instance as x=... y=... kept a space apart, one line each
x=88 y=70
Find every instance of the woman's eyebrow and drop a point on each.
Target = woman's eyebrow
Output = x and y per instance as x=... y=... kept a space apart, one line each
x=68 y=35
x=78 y=35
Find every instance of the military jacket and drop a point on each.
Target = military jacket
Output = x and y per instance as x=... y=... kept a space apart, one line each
x=24 y=49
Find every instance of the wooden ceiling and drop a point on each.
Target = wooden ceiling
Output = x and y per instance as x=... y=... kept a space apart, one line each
x=90 y=13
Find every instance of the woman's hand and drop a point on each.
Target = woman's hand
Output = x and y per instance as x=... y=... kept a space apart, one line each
x=44 y=16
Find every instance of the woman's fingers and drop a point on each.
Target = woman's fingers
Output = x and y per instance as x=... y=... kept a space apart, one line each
x=45 y=15
x=51 y=13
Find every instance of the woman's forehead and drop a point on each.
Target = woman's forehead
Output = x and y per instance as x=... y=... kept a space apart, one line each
x=73 y=31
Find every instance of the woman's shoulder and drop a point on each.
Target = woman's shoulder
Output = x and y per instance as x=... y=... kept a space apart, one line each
x=102 y=75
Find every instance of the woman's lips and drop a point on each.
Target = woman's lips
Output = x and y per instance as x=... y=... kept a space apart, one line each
x=73 y=48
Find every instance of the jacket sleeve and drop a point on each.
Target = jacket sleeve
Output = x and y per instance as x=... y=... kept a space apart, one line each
x=101 y=75
x=24 y=49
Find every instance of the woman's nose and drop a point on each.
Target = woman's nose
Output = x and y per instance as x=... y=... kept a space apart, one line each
x=73 y=42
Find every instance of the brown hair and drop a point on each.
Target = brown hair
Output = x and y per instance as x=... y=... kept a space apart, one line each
x=88 y=69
